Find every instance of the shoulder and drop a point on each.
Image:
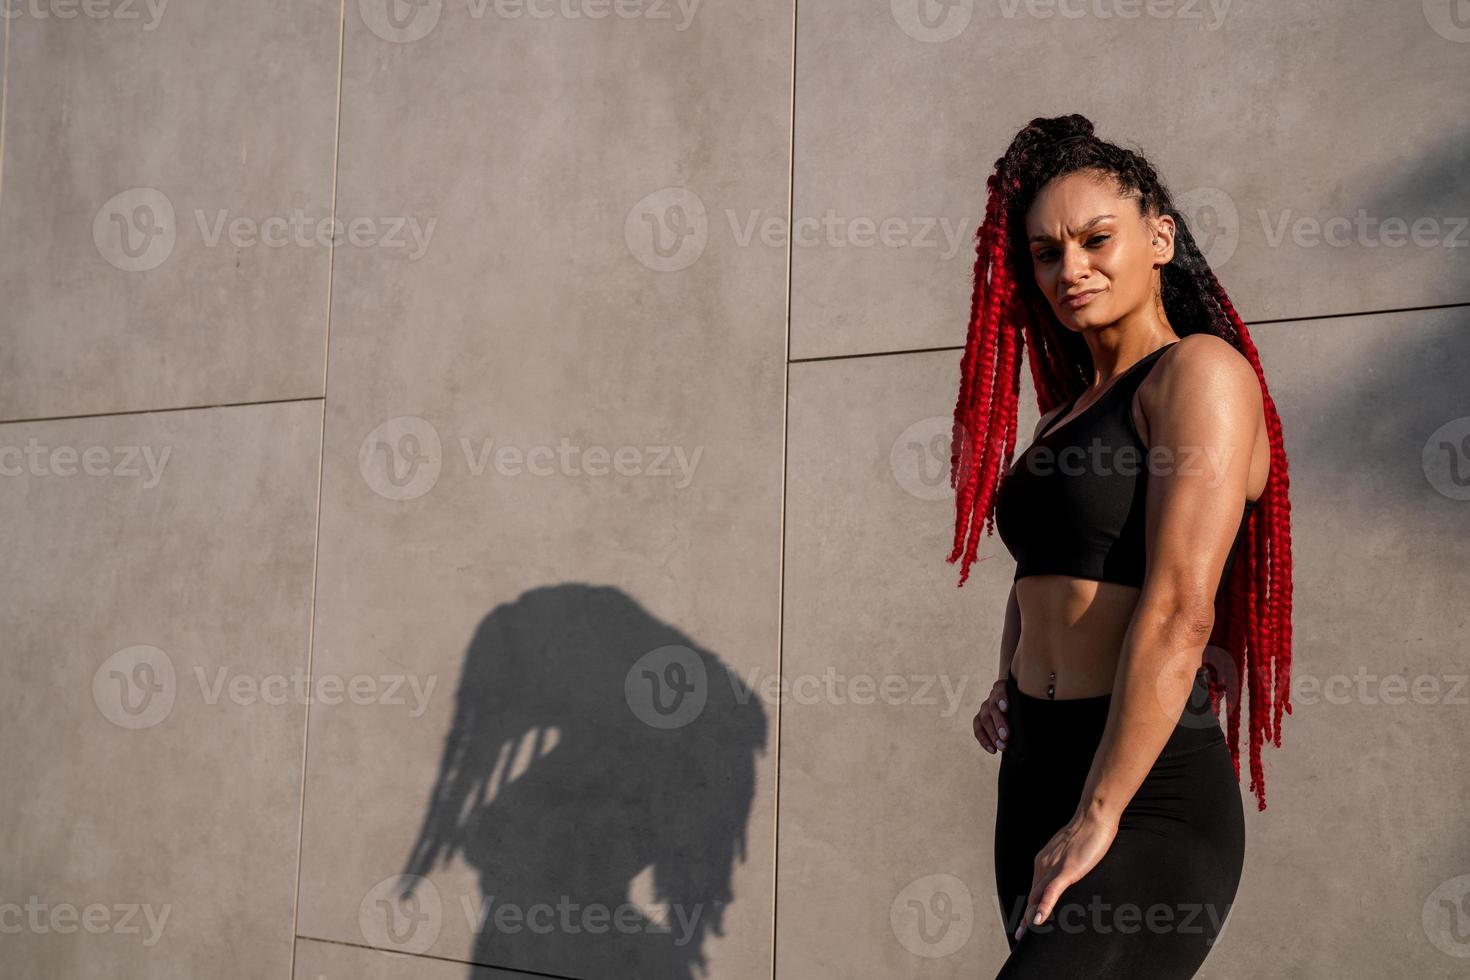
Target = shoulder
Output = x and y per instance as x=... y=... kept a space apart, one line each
x=1205 y=370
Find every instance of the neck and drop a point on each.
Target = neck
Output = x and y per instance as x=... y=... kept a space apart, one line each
x=1117 y=348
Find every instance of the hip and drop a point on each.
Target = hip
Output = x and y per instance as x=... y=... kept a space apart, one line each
x=1051 y=745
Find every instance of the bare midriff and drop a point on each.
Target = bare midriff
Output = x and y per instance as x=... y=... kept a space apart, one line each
x=1072 y=633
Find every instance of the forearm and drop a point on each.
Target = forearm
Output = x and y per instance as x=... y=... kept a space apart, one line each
x=1161 y=653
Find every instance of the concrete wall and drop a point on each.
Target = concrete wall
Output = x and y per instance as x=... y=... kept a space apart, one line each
x=606 y=505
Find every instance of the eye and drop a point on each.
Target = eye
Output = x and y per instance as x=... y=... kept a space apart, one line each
x=1093 y=241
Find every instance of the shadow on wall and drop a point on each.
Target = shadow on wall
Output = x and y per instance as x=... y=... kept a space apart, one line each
x=599 y=776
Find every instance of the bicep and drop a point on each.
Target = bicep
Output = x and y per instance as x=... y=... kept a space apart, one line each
x=1202 y=438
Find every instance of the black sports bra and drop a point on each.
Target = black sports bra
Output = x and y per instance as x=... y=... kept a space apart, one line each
x=1073 y=504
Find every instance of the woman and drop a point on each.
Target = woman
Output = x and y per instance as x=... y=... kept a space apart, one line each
x=1150 y=523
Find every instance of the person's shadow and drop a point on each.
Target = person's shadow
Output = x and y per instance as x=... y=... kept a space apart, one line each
x=598 y=775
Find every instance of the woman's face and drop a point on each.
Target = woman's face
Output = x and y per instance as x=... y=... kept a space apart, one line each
x=1087 y=239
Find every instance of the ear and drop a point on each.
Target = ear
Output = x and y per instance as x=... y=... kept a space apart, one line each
x=1164 y=229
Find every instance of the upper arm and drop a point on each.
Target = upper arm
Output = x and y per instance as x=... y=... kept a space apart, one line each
x=1203 y=419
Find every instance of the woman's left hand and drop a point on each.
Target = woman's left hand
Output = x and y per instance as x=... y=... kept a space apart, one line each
x=1071 y=853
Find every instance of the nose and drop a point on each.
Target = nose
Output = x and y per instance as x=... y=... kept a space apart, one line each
x=1074 y=267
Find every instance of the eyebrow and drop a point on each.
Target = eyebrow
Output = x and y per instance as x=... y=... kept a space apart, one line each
x=1048 y=238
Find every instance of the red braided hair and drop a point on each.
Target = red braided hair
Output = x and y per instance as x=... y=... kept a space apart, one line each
x=1007 y=314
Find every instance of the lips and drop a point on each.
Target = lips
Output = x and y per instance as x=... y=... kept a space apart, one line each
x=1080 y=299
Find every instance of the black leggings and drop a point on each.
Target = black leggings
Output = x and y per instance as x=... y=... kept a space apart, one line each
x=1157 y=901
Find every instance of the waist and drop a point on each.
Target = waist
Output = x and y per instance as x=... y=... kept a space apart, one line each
x=1055 y=730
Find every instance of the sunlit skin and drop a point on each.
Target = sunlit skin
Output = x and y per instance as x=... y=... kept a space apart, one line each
x=1200 y=406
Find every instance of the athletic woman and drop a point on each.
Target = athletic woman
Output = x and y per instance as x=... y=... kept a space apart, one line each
x=1150 y=526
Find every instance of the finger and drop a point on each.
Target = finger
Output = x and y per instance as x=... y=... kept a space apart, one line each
x=987 y=723
x=1032 y=898
x=1049 y=897
x=981 y=735
x=1000 y=726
